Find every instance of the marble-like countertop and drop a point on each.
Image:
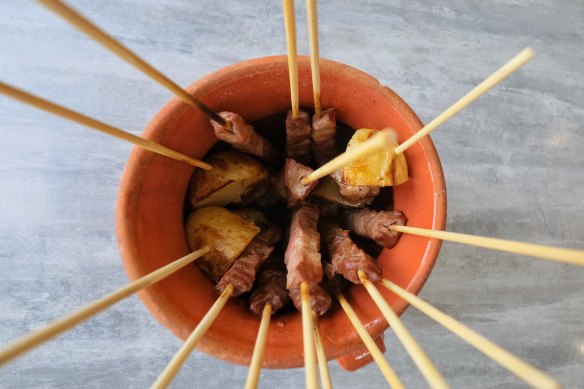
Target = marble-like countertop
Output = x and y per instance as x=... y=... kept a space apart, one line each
x=514 y=166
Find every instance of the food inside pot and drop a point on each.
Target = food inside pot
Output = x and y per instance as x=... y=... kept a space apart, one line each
x=268 y=233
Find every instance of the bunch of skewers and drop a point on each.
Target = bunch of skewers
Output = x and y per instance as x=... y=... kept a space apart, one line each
x=373 y=159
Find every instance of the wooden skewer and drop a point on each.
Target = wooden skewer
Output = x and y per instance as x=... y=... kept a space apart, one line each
x=65 y=323
x=325 y=377
x=375 y=144
x=290 y=21
x=173 y=367
x=427 y=368
x=68 y=114
x=308 y=338
x=376 y=353
x=312 y=17
x=253 y=376
x=523 y=370
x=571 y=256
x=94 y=32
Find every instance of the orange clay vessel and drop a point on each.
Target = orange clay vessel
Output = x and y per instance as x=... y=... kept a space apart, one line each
x=152 y=193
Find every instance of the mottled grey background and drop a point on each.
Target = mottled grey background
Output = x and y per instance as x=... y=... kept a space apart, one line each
x=514 y=164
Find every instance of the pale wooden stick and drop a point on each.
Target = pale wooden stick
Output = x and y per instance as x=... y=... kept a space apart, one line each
x=571 y=256
x=308 y=338
x=427 y=368
x=94 y=32
x=173 y=367
x=312 y=17
x=68 y=114
x=253 y=375
x=290 y=21
x=523 y=370
x=65 y=323
x=325 y=377
x=505 y=71
x=377 y=143
x=376 y=353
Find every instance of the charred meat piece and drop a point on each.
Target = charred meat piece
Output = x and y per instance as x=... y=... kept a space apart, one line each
x=294 y=172
x=364 y=194
x=324 y=132
x=302 y=256
x=375 y=225
x=242 y=273
x=298 y=137
x=346 y=257
x=270 y=288
x=320 y=299
x=282 y=191
x=243 y=137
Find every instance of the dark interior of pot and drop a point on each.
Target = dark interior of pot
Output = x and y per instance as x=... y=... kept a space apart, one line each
x=150 y=215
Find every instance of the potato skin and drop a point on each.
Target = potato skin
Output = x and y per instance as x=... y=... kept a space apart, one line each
x=226 y=233
x=234 y=176
x=379 y=169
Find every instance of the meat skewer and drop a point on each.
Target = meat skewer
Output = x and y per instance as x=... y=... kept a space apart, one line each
x=94 y=32
x=347 y=258
x=294 y=172
x=361 y=193
x=73 y=116
x=253 y=376
x=515 y=365
x=243 y=137
x=376 y=144
x=298 y=135
x=375 y=225
x=324 y=132
x=376 y=353
x=429 y=371
x=270 y=288
x=66 y=323
x=243 y=271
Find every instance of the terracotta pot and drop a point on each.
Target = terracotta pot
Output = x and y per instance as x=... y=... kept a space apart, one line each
x=152 y=196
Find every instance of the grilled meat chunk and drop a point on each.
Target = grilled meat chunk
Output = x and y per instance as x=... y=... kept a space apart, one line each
x=375 y=225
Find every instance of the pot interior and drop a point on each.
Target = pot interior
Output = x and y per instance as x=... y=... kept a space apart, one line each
x=152 y=196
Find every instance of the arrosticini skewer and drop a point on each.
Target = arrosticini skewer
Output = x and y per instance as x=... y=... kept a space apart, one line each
x=312 y=17
x=571 y=256
x=68 y=114
x=308 y=338
x=427 y=368
x=290 y=24
x=35 y=339
x=94 y=32
x=325 y=377
x=521 y=369
x=376 y=353
x=380 y=141
x=253 y=375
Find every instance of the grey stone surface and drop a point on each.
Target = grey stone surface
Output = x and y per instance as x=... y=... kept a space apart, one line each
x=514 y=164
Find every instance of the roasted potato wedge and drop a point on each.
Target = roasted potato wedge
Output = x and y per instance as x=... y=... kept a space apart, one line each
x=380 y=169
x=226 y=233
x=234 y=176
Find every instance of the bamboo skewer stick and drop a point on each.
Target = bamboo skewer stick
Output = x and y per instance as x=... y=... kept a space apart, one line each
x=427 y=368
x=173 y=367
x=377 y=143
x=68 y=114
x=65 y=323
x=94 y=32
x=521 y=369
x=571 y=256
x=308 y=338
x=253 y=376
x=376 y=353
x=312 y=16
x=325 y=377
x=290 y=22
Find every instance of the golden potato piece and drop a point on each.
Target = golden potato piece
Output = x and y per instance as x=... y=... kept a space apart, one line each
x=225 y=232
x=380 y=169
x=234 y=175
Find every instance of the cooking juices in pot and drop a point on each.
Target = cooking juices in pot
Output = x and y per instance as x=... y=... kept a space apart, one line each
x=267 y=232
